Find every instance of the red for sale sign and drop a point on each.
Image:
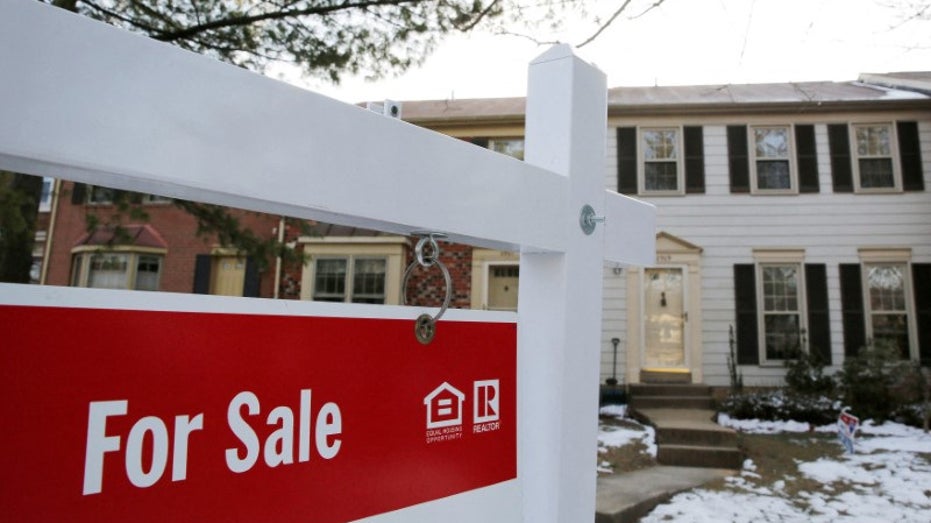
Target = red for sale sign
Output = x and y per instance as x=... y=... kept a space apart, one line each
x=128 y=415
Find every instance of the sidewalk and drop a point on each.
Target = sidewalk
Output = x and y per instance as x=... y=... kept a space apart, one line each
x=627 y=497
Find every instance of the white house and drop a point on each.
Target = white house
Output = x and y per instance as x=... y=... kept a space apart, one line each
x=793 y=215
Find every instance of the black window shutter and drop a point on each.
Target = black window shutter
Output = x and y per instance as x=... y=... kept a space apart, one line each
x=807 y=156
x=819 y=327
x=738 y=158
x=694 y=159
x=748 y=352
x=79 y=193
x=481 y=142
x=627 y=160
x=921 y=284
x=851 y=300
x=250 y=288
x=910 y=155
x=202 y=273
x=841 y=170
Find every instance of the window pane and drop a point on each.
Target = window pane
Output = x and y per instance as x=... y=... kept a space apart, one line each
x=660 y=176
x=771 y=142
x=98 y=194
x=330 y=280
x=660 y=144
x=368 y=280
x=513 y=147
x=108 y=271
x=876 y=172
x=887 y=288
x=147 y=271
x=773 y=174
x=782 y=336
x=891 y=330
x=780 y=288
x=873 y=140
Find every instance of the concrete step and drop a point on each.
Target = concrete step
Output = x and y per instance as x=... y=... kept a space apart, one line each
x=625 y=498
x=697 y=456
x=647 y=376
x=671 y=402
x=702 y=437
x=650 y=389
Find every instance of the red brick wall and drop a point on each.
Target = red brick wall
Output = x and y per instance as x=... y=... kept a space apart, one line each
x=177 y=227
x=426 y=286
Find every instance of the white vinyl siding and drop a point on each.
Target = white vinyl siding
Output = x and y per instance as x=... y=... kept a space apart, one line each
x=829 y=227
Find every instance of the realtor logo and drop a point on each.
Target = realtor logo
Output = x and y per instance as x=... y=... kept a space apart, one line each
x=485 y=407
x=444 y=406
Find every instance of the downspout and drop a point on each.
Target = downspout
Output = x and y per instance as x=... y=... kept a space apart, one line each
x=47 y=252
x=281 y=226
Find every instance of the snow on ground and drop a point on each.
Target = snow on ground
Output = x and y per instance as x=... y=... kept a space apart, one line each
x=614 y=436
x=888 y=478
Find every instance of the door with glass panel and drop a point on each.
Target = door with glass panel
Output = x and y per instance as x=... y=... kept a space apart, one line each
x=664 y=319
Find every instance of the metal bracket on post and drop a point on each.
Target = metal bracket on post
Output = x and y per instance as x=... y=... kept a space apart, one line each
x=425 y=325
x=588 y=220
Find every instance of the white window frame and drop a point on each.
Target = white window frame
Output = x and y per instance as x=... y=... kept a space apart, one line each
x=349 y=276
x=642 y=161
x=390 y=248
x=81 y=258
x=48 y=191
x=893 y=156
x=884 y=256
x=778 y=258
x=791 y=158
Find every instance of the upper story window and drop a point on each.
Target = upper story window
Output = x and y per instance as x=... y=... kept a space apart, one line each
x=45 y=200
x=874 y=165
x=771 y=160
x=660 y=161
x=876 y=157
x=513 y=147
x=100 y=195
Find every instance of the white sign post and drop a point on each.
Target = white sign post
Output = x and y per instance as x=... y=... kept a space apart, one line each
x=87 y=102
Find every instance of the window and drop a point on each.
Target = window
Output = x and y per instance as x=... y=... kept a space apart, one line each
x=661 y=168
x=99 y=195
x=45 y=200
x=874 y=168
x=353 y=269
x=782 y=318
x=116 y=270
x=771 y=159
x=513 y=147
x=886 y=287
x=350 y=279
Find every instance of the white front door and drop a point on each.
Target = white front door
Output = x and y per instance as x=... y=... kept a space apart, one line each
x=664 y=319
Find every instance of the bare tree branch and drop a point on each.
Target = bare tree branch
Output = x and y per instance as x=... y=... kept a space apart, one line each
x=614 y=16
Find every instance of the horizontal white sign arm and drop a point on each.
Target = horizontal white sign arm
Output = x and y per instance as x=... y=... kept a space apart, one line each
x=96 y=104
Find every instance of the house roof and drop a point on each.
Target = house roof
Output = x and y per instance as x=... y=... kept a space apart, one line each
x=919 y=81
x=136 y=235
x=742 y=98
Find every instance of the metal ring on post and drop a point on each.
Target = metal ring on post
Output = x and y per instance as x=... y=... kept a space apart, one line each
x=425 y=326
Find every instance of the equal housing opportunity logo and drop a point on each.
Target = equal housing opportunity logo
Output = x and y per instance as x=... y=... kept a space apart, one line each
x=444 y=410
